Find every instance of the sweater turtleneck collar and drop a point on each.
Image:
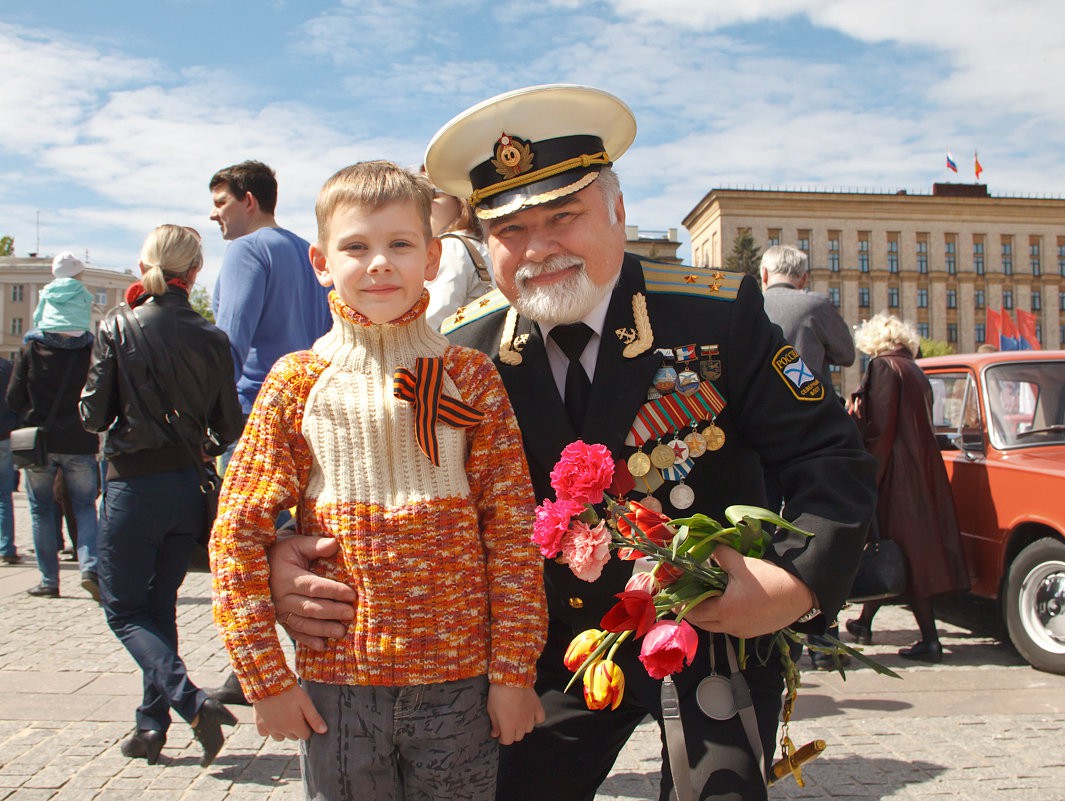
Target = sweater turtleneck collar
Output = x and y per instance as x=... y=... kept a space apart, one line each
x=344 y=312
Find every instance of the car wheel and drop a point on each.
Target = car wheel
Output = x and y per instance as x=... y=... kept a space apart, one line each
x=1035 y=604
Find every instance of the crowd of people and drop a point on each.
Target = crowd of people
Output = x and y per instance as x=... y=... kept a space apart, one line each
x=386 y=404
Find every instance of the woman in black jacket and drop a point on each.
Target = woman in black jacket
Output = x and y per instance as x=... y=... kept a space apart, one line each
x=154 y=356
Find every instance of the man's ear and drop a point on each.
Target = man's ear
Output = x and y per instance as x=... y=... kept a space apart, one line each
x=432 y=264
x=321 y=267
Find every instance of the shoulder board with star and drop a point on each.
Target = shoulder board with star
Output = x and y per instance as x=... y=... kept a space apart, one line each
x=475 y=310
x=680 y=279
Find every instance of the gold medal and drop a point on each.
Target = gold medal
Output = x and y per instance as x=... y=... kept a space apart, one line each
x=715 y=437
x=639 y=464
x=662 y=456
x=696 y=443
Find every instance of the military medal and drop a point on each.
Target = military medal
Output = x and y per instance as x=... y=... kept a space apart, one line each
x=680 y=450
x=682 y=496
x=662 y=456
x=714 y=436
x=709 y=367
x=639 y=464
x=696 y=443
x=687 y=379
x=652 y=503
x=665 y=380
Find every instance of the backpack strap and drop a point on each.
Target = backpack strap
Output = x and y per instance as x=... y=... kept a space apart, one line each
x=475 y=255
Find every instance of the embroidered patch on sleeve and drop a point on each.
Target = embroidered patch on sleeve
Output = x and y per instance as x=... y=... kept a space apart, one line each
x=800 y=379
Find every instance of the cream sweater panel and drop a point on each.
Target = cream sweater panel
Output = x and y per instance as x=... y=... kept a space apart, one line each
x=361 y=436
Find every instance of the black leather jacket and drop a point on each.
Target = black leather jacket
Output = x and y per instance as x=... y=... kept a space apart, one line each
x=190 y=358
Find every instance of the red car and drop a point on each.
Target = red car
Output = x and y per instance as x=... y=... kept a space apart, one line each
x=1000 y=422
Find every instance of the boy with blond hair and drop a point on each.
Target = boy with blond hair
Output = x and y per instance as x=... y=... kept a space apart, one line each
x=405 y=449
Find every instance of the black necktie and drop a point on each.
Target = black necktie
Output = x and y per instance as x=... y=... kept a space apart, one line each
x=572 y=339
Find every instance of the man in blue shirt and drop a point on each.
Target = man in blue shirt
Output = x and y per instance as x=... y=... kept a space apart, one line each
x=267 y=299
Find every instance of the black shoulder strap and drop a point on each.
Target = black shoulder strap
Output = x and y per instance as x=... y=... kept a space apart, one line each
x=478 y=260
x=159 y=414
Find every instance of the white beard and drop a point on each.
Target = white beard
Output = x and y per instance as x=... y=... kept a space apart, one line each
x=565 y=301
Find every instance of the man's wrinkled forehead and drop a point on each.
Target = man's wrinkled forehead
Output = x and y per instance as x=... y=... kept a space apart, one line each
x=527 y=213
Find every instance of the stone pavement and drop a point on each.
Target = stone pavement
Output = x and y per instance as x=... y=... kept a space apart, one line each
x=982 y=725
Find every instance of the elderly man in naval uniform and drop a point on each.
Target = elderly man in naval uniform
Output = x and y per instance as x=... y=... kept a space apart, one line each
x=585 y=336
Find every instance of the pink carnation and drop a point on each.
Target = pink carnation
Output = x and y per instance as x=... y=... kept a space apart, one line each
x=586 y=549
x=582 y=472
x=552 y=522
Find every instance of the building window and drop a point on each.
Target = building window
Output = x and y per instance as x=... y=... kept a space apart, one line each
x=1007 y=257
x=833 y=295
x=16 y=326
x=922 y=256
x=1037 y=300
x=833 y=251
x=1061 y=336
x=863 y=252
x=893 y=253
x=100 y=298
x=863 y=298
x=804 y=242
x=16 y=293
x=980 y=332
x=952 y=333
x=1034 y=258
x=978 y=256
x=922 y=330
x=922 y=298
x=1061 y=301
x=952 y=298
x=1061 y=257
x=773 y=237
x=893 y=297
x=978 y=298
x=951 y=256
x=863 y=362
x=1007 y=298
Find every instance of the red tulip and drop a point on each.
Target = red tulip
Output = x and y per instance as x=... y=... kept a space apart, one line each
x=634 y=612
x=650 y=523
x=668 y=647
x=604 y=685
x=581 y=647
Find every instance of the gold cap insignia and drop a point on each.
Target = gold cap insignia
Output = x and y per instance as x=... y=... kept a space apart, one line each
x=513 y=156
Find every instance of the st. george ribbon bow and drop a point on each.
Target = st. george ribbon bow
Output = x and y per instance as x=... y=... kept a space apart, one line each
x=424 y=388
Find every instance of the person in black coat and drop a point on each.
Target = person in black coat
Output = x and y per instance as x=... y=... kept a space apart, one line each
x=555 y=221
x=8 y=421
x=161 y=386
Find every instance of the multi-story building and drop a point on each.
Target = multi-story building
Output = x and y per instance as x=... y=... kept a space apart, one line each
x=938 y=260
x=656 y=245
x=21 y=280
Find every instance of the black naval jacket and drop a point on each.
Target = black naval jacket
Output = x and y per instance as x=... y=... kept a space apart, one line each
x=812 y=446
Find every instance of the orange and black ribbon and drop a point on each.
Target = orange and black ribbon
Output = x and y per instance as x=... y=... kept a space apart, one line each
x=424 y=388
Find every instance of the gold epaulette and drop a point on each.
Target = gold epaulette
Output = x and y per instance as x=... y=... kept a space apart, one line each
x=680 y=279
x=475 y=310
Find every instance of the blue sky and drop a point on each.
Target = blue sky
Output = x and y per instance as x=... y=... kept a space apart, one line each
x=117 y=113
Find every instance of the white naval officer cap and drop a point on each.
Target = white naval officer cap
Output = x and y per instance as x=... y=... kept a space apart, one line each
x=529 y=146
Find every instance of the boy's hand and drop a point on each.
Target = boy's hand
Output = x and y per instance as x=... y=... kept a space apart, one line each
x=310 y=608
x=513 y=712
x=288 y=716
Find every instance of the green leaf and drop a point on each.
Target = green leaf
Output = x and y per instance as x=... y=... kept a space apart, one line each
x=736 y=513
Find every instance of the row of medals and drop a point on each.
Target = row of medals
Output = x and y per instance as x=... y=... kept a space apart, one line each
x=678 y=449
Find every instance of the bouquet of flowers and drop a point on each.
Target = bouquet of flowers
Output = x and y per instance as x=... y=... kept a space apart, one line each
x=654 y=603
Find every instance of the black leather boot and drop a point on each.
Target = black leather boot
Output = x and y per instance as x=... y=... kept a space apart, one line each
x=144 y=744
x=207 y=727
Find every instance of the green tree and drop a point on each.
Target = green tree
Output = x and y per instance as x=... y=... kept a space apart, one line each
x=7 y=246
x=200 y=300
x=935 y=347
x=746 y=256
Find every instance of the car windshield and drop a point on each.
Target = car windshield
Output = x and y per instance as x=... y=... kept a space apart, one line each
x=1026 y=402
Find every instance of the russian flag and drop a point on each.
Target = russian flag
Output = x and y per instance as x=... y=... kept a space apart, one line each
x=950 y=162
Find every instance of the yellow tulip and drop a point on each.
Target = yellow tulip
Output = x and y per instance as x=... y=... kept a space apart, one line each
x=604 y=685
x=581 y=647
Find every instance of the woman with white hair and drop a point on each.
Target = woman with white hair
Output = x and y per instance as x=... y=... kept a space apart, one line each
x=915 y=508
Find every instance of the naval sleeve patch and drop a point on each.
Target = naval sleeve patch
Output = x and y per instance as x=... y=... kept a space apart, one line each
x=799 y=378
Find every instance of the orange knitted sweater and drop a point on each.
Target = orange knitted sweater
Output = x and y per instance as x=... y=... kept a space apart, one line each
x=449 y=584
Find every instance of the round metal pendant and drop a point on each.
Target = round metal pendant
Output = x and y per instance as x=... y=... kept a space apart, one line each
x=696 y=443
x=662 y=456
x=680 y=450
x=639 y=464
x=715 y=437
x=652 y=503
x=714 y=697
x=682 y=496
x=665 y=379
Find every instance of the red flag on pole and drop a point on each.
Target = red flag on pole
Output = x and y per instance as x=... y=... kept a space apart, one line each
x=1027 y=328
x=992 y=335
x=976 y=165
x=1008 y=339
